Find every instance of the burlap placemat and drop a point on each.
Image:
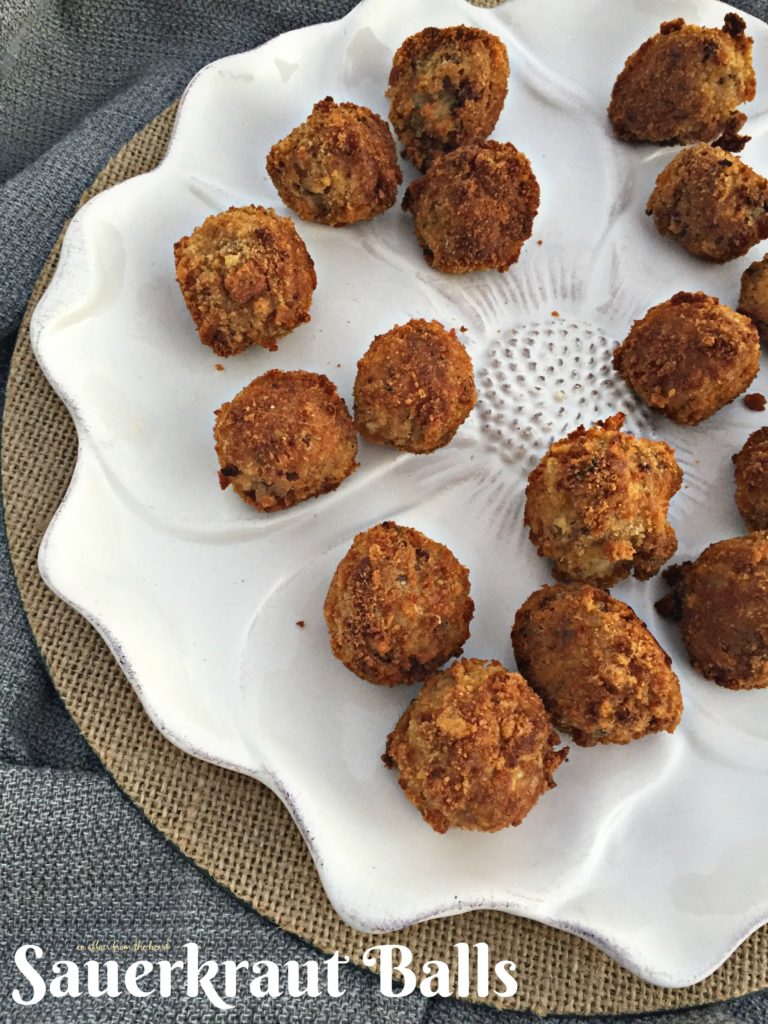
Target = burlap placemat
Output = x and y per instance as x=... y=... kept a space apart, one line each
x=229 y=825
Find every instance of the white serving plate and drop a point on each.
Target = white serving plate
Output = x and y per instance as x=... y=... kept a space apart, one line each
x=656 y=852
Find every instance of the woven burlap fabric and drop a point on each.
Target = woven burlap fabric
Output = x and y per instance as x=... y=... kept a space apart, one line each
x=231 y=826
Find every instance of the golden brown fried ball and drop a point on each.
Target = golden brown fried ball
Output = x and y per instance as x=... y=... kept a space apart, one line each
x=684 y=84
x=689 y=356
x=602 y=676
x=474 y=208
x=446 y=89
x=246 y=277
x=597 y=505
x=414 y=387
x=398 y=605
x=711 y=202
x=751 y=474
x=721 y=602
x=753 y=298
x=284 y=438
x=338 y=167
x=475 y=749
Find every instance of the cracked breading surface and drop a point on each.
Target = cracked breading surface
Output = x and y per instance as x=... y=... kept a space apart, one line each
x=286 y=437
x=684 y=84
x=414 y=387
x=398 y=605
x=475 y=749
x=246 y=277
x=601 y=674
x=597 y=505
x=337 y=167
x=446 y=89
x=689 y=356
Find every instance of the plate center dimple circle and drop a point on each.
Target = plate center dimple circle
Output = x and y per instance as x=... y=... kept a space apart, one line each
x=539 y=381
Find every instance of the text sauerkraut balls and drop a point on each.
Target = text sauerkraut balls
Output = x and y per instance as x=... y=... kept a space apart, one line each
x=337 y=167
x=753 y=297
x=684 y=84
x=597 y=505
x=601 y=675
x=246 y=277
x=475 y=749
x=286 y=437
x=711 y=202
x=721 y=602
x=414 y=387
x=689 y=356
x=474 y=208
x=398 y=605
x=446 y=89
x=751 y=465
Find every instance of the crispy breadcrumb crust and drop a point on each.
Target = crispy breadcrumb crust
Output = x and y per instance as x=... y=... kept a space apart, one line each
x=414 y=387
x=338 y=167
x=751 y=476
x=286 y=437
x=474 y=208
x=398 y=605
x=597 y=505
x=689 y=356
x=446 y=89
x=475 y=749
x=246 y=277
x=721 y=603
x=711 y=202
x=600 y=673
x=684 y=84
x=753 y=297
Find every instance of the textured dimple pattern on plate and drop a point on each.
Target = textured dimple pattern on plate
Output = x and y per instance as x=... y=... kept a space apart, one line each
x=541 y=380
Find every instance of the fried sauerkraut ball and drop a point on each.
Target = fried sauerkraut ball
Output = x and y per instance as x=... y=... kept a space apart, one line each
x=602 y=676
x=338 y=167
x=398 y=605
x=721 y=602
x=474 y=208
x=246 y=277
x=446 y=89
x=414 y=387
x=753 y=298
x=684 y=84
x=597 y=505
x=751 y=472
x=284 y=438
x=475 y=749
x=711 y=202
x=689 y=356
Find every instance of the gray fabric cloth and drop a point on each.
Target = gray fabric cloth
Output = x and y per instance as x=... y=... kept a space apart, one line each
x=78 y=862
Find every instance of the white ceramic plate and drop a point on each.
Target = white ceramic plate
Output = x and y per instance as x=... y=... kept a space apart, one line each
x=656 y=852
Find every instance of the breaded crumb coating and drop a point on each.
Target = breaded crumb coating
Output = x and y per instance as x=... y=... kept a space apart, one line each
x=601 y=674
x=689 y=356
x=246 y=277
x=398 y=605
x=711 y=202
x=475 y=749
x=684 y=85
x=474 y=208
x=751 y=473
x=597 y=505
x=721 y=603
x=446 y=89
x=286 y=437
x=414 y=387
x=753 y=297
x=338 y=167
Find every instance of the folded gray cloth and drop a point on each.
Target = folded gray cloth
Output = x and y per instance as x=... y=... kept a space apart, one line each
x=79 y=863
